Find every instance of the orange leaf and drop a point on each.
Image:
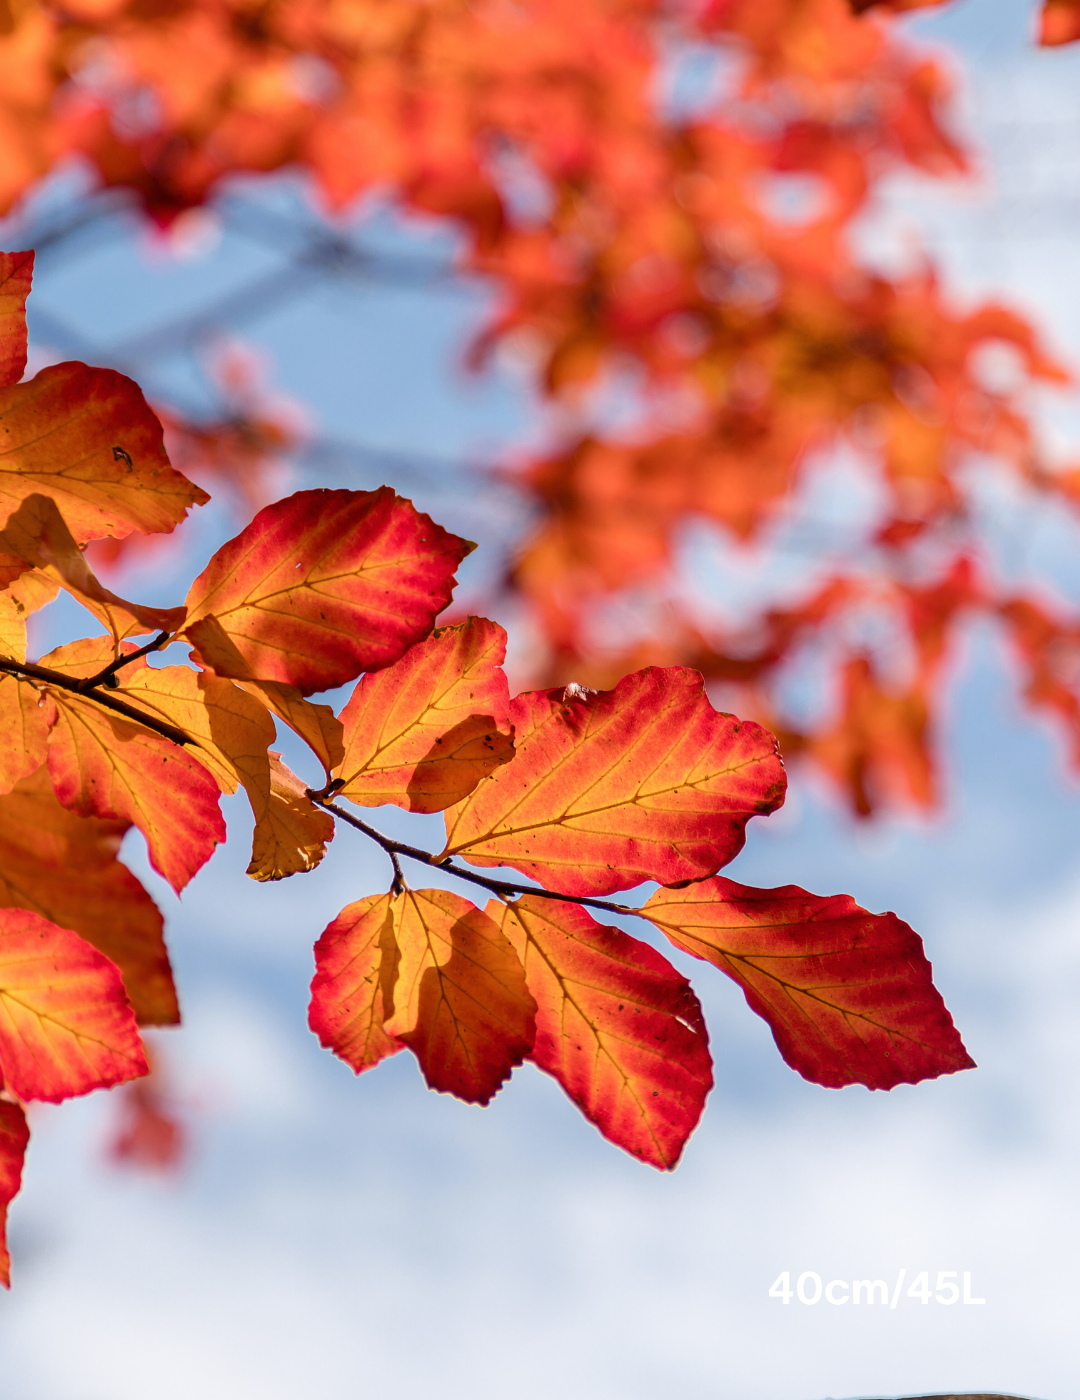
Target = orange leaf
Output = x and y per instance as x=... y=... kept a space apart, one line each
x=14 y=1136
x=16 y=272
x=36 y=533
x=848 y=995
x=460 y=1000
x=24 y=724
x=1059 y=22
x=616 y=1025
x=66 y=1026
x=103 y=765
x=12 y=627
x=65 y=868
x=232 y=731
x=422 y=733
x=322 y=586
x=610 y=788
x=292 y=834
x=317 y=725
x=352 y=993
x=87 y=438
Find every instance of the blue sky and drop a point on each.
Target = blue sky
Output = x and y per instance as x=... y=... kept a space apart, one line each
x=366 y=1237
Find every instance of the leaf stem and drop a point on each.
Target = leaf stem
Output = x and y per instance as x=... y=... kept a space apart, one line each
x=497 y=887
x=104 y=676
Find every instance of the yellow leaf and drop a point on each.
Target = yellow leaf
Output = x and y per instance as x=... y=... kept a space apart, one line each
x=293 y=834
x=460 y=1001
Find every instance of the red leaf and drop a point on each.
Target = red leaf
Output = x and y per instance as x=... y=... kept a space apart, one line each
x=848 y=995
x=352 y=993
x=103 y=765
x=66 y=1025
x=322 y=586
x=460 y=1000
x=422 y=733
x=14 y=1136
x=616 y=1025
x=607 y=789
x=16 y=273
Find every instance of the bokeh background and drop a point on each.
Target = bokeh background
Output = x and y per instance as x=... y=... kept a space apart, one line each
x=328 y=1235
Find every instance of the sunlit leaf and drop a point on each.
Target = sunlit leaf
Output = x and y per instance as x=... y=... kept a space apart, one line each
x=14 y=1136
x=103 y=765
x=292 y=834
x=66 y=1025
x=320 y=587
x=423 y=732
x=86 y=438
x=616 y=1025
x=848 y=995
x=16 y=273
x=65 y=868
x=352 y=994
x=607 y=789
x=460 y=1000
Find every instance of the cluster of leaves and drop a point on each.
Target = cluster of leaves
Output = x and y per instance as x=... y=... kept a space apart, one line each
x=586 y=793
x=623 y=232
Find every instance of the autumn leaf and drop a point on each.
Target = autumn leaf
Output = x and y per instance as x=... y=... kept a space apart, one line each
x=292 y=834
x=12 y=627
x=460 y=1000
x=616 y=1025
x=14 y=1136
x=103 y=765
x=317 y=725
x=24 y=724
x=86 y=438
x=352 y=993
x=66 y=1026
x=65 y=868
x=16 y=272
x=423 y=732
x=231 y=730
x=37 y=534
x=848 y=995
x=320 y=587
x=607 y=789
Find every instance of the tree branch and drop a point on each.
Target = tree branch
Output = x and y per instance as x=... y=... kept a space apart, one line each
x=104 y=676
x=110 y=702
x=498 y=887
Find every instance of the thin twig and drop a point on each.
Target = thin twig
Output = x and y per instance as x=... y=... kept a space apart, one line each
x=70 y=683
x=498 y=887
x=103 y=676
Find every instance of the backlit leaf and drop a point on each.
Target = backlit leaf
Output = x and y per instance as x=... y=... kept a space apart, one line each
x=352 y=993
x=849 y=996
x=37 y=533
x=14 y=1136
x=66 y=1026
x=87 y=438
x=460 y=1000
x=616 y=1025
x=65 y=868
x=24 y=725
x=607 y=789
x=422 y=733
x=12 y=627
x=16 y=272
x=292 y=834
x=317 y=725
x=231 y=729
x=322 y=586
x=103 y=765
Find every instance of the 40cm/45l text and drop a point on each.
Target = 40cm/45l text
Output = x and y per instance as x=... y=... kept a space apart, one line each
x=809 y=1289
